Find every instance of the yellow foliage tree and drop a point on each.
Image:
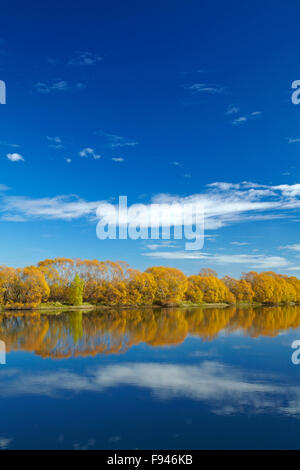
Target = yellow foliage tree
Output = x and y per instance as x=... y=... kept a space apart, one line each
x=214 y=290
x=28 y=288
x=240 y=288
x=171 y=284
x=194 y=291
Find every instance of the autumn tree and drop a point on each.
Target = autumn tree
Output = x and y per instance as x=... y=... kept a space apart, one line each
x=94 y=273
x=269 y=287
x=194 y=291
x=214 y=290
x=296 y=285
x=240 y=288
x=171 y=284
x=6 y=282
x=208 y=272
x=27 y=287
x=59 y=273
x=141 y=288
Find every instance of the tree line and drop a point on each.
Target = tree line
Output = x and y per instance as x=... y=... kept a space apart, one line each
x=73 y=282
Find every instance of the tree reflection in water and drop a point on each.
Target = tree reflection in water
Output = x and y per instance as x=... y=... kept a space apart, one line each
x=114 y=331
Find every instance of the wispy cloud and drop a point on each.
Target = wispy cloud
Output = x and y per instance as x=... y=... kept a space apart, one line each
x=58 y=86
x=4 y=442
x=56 y=208
x=247 y=117
x=118 y=159
x=239 y=243
x=295 y=247
x=13 y=218
x=254 y=261
x=239 y=120
x=232 y=109
x=7 y=144
x=292 y=140
x=15 y=157
x=55 y=142
x=223 y=203
x=161 y=244
x=204 y=88
x=82 y=59
x=88 y=445
x=89 y=152
x=115 y=141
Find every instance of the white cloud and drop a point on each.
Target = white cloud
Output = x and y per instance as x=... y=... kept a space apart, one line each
x=12 y=218
x=224 y=204
x=15 y=157
x=162 y=244
x=239 y=120
x=89 y=152
x=118 y=159
x=3 y=187
x=58 y=208
x=255 y=261
x=223 y=186
x=293 y=140
x=295 y=247
x=288 y=190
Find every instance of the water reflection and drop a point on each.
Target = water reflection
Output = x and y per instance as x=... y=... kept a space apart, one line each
x=233 y=391
x=225 y=389
x=115 y=331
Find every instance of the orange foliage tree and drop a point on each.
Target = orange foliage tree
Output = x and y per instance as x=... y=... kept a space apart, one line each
x=27 y=288
x=114 y=283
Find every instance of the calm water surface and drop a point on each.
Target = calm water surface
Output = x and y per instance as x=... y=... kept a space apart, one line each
x=151 y=378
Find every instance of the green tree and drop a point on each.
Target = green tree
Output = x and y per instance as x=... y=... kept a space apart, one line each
x=76 y=291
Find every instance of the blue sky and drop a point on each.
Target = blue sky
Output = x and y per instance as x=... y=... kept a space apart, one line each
x=109 y=98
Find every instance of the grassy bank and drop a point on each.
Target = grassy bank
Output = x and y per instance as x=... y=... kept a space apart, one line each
x=59 y=307
x=48 y=306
